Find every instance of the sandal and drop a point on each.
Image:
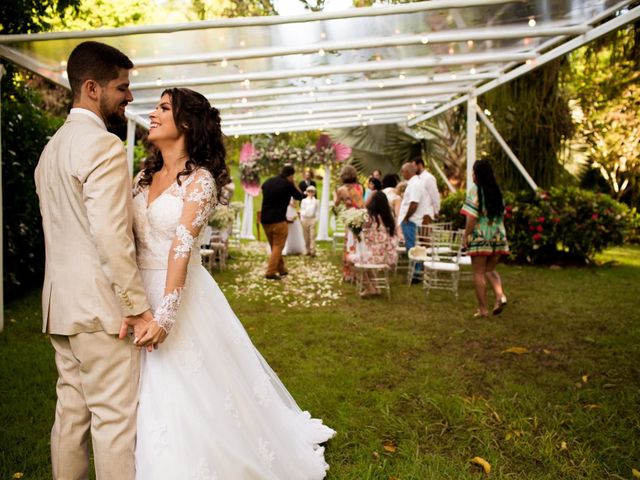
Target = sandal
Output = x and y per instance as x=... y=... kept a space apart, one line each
x=501 y=304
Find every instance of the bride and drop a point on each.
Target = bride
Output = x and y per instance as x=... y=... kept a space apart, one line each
x=210 y=406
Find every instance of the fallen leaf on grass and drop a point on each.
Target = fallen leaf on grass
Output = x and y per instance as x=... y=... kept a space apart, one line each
x=546 y=351
x=516 y=350
x=389 y=446
x=585 y=378
x=376 y=455
x=563 y=445
x=635 y=473
x=512 y=434
x=394 y=478
x=592 y=406
x=18 y=475
x=481 y=462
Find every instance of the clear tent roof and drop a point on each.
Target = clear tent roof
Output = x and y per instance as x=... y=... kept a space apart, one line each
x=388 y=64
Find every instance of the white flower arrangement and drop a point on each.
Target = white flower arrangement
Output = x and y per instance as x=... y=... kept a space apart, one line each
x=355 y=218
x=222 y=217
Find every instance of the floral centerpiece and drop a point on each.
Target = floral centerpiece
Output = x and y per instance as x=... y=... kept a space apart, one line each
x=354 y=219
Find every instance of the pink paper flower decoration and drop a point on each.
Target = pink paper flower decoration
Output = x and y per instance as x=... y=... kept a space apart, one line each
x=342 y=151
x=247 y=152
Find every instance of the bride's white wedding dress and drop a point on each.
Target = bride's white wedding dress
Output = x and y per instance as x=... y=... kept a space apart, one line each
x=210 y=406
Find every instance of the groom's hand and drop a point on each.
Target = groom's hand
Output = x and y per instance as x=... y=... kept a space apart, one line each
x=139 y=323
x=152 y=336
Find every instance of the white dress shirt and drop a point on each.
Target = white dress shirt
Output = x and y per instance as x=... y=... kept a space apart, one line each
x=433 y=195
x=309 y=207
x=415 y=192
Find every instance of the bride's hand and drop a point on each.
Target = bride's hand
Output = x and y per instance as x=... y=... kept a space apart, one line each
x=153 y=335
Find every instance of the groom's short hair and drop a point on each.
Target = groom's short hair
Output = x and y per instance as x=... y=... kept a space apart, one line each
x=287 y=171
x=94 y=61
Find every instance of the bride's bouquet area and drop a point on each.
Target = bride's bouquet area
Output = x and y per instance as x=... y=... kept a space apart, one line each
x=354 y=219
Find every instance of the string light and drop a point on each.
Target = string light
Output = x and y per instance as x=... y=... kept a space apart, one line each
x=328 y=81
x=487 y=112
x=401 y=76
x=242 y=43
x=246 y=83
x=321 y=52
x=159 y=81
x=224 y=63
x=424 y=40
x=470 y=43
x=532 y=22
x=451 y=51
x=277 y=132
x=423 y=101
x=323 y=35
x=135 y=72
x=244 y=100
x=472 y=71
x=381 y=85
x=63 y=63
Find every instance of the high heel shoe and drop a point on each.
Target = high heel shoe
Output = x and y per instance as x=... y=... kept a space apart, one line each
x=501 y=304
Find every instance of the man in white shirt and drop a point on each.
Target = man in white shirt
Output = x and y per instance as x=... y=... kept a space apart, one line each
x=431 y=187
x=308 y=215
x=412 y=209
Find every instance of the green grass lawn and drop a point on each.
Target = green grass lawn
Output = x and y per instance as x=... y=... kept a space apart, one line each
x=414 y=387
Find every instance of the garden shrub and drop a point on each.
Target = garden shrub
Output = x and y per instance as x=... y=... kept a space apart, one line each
x=563 y=224
x=25 y=131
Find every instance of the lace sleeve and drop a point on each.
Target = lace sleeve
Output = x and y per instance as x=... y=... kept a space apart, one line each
x=199 y=201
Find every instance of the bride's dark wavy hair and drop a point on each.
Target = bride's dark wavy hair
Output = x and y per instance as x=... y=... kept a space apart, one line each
x=199 y=122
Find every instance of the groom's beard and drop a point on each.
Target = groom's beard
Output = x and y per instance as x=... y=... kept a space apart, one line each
x=111 y=113
x=116 y=123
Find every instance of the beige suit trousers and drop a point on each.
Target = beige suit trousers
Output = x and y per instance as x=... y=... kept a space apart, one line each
x=97 y=391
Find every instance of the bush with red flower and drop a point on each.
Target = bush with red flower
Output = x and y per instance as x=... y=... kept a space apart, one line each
x=564 y=223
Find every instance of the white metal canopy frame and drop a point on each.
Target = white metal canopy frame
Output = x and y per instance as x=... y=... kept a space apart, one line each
x=366 y=66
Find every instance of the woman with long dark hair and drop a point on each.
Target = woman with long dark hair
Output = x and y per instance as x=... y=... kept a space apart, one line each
x=378 y=239
x=210 y=406
x=484 y=237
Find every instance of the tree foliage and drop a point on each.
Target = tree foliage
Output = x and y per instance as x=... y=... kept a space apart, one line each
x=532 y=115
x=602 y=78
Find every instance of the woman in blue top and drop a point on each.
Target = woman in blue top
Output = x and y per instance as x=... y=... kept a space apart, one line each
x=484 y=237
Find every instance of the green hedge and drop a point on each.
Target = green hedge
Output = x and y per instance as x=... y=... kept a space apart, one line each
x=563 y=224
x=25 y=131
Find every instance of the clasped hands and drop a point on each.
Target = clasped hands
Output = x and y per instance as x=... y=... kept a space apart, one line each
x=146 y=331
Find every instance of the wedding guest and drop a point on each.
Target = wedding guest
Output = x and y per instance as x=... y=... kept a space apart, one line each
x=308 y=215
x=276 y=194
x=484 y=236
x=307 y=181
x=377 y=174
x=373 y=185
x=348 y=195
x=412 y=210
x=431 y=187
x=389 y=184
x=379 y=240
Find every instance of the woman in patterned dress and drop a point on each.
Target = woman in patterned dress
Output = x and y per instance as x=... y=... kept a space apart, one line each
x=378 y=239
x=484 y=237
x=350 y=195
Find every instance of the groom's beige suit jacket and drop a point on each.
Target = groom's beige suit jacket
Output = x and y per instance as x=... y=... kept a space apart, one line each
x=83 y=184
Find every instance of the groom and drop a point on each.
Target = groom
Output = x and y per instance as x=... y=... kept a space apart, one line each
x=92 y=283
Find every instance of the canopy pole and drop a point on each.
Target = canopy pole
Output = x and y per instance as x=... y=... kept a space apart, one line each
x=131 y=143
x=323 y=226
x=472 y=104
x=247 y=218
x=505 y=147
x=2 y=71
